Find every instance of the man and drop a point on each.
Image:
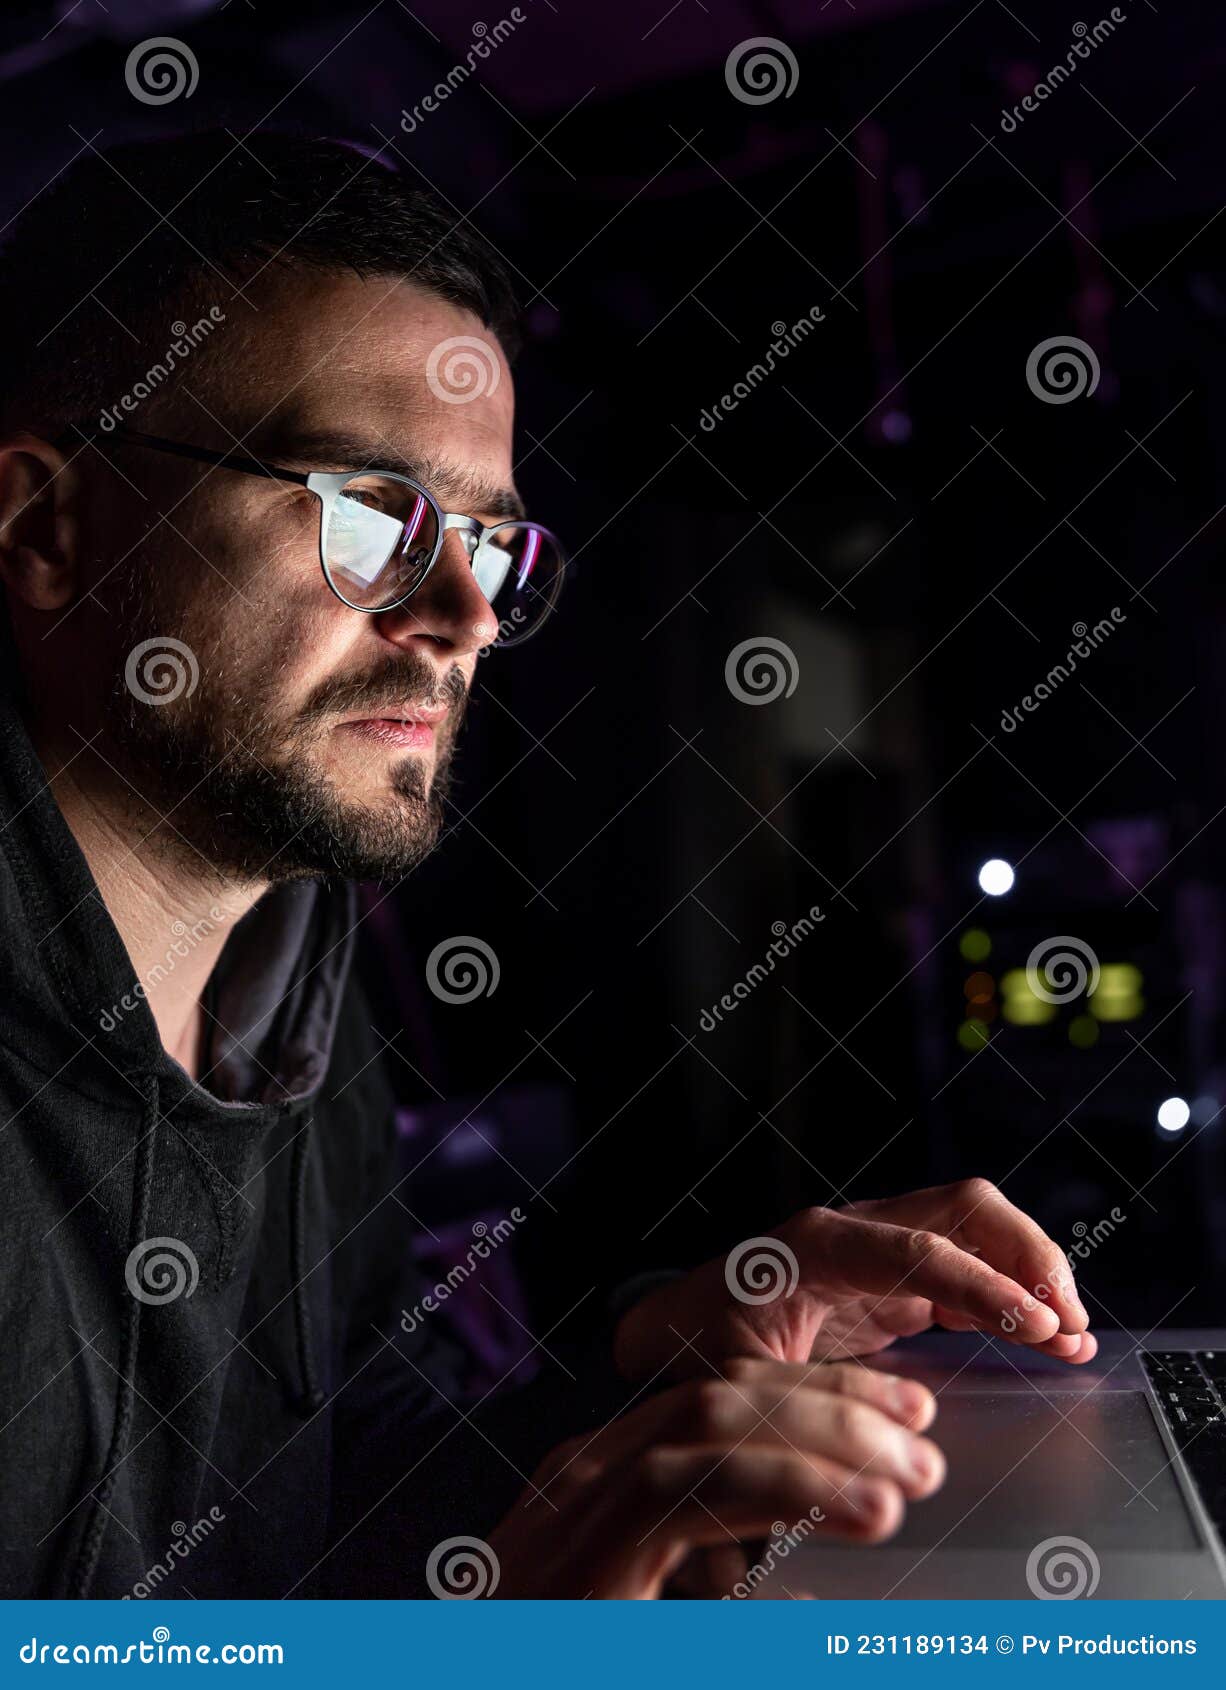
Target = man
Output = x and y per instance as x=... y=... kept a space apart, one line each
x=222 y=367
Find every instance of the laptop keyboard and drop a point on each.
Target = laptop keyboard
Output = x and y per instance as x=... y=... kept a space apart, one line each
x=1190 y=1386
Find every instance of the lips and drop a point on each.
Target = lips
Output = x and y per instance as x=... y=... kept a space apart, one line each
x=401 y=727
x=424 y=715
x=413 y=733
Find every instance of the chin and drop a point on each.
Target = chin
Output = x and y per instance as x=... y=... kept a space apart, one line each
x=386 y=795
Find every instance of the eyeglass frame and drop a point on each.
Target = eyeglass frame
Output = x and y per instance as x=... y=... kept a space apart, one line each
x=327 y=486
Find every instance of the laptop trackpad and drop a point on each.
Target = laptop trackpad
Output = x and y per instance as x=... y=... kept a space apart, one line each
x=1026 y=1467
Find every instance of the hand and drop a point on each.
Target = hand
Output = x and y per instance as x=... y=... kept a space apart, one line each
x=832 y=1451
x=832 y=1283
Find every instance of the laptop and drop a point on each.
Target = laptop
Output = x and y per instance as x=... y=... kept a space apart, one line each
x=1099 y=1482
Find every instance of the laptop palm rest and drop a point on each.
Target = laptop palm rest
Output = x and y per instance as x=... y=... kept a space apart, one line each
x=1024 y=1467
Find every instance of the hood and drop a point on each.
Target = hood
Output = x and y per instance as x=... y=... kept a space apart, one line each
x=75 y=1010
x=76 y=1018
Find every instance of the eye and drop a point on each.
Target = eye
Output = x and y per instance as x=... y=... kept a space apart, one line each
x=364 y=496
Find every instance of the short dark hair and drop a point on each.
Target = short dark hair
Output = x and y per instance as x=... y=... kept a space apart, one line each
x=131 y=235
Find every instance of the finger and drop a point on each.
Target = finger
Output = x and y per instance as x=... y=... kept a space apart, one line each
x=774 y=1409
x=717 y=1571
x=952 y=1321
x=977 y=1215
x=1012 y=1241
x=904 y=1400
x=1074 y=1347
x=669 y=1495
x=859 y=1255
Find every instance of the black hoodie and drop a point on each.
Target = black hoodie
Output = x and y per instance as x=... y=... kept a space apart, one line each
x=205 y=1388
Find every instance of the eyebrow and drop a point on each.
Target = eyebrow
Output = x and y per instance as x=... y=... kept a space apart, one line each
x=450 y=483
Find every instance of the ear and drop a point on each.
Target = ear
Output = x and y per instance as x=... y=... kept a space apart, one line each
x=39 y=502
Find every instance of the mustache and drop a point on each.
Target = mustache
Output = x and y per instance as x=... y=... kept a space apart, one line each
x=396 y=683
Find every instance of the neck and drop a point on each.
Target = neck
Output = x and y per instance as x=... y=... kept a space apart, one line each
x=172 y=909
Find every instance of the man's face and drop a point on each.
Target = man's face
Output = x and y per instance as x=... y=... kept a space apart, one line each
x=317 y=738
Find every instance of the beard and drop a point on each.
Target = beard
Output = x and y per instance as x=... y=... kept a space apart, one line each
x=207 y=745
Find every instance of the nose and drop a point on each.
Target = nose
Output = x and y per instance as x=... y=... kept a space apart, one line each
x=448 y=609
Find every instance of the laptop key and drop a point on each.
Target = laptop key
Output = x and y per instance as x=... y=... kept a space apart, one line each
x=1170 y=1366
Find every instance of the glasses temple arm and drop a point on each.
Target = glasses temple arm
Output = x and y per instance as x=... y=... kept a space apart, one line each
x=201 y=454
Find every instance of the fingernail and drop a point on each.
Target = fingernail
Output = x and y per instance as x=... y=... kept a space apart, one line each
x=864 y=1496
x=925 y=1461
x=911 y=1401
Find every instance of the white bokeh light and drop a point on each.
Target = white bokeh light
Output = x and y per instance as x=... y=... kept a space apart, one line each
x=996 y=877
x=1173 y=1115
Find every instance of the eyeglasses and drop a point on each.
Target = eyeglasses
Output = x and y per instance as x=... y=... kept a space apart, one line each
x=380 y=535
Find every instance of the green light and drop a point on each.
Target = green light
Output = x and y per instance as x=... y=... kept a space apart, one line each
x=972 y=1035
x=1022 y=1005
x=1118 y=994
x=1083 y=1032
x=975 y=945
x=1118 y=980
x=1121 y=1006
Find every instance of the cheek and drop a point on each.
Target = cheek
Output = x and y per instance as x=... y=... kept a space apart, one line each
x=271 y=649
x=264 y=549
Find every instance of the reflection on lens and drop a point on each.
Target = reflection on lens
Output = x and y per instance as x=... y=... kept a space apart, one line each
x=519 y=568
x=379 y=540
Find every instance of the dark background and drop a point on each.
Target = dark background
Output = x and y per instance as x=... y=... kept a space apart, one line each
x=899 y=508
